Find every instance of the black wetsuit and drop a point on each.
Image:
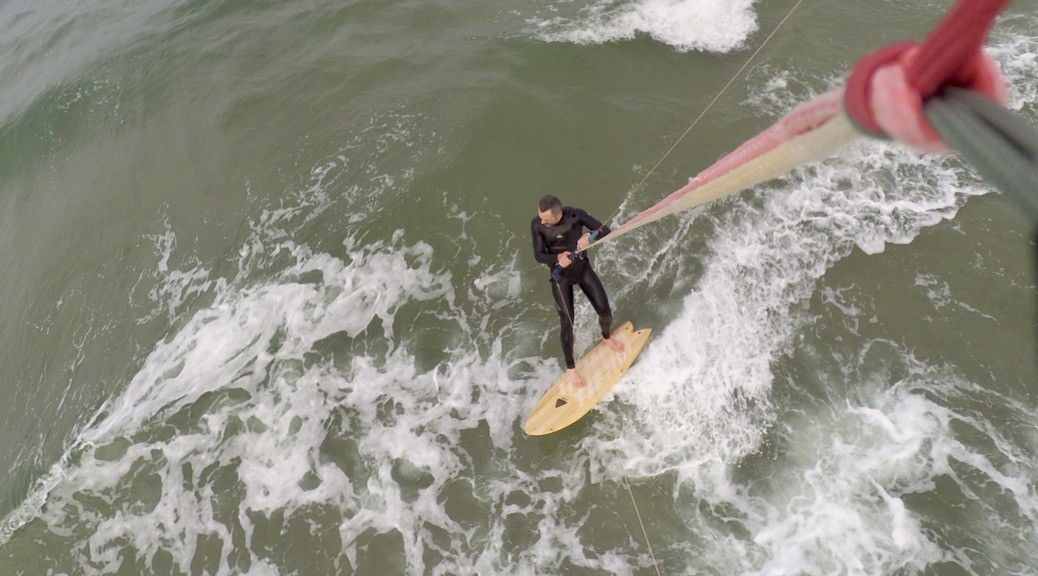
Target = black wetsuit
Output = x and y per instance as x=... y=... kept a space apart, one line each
x=548 y=243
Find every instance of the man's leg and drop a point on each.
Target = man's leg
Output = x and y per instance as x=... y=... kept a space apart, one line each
x=595 y=292
x=563 y=296
x=562 y=293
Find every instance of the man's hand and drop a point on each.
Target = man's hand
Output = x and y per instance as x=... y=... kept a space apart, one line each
x=565 y=260
x=584 y=241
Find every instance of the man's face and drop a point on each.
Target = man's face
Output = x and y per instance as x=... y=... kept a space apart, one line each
x=550 y=218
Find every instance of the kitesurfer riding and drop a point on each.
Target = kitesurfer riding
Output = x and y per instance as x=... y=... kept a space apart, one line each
x=558 y=242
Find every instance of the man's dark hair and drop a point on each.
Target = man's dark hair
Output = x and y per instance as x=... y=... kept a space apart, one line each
x=549 y=203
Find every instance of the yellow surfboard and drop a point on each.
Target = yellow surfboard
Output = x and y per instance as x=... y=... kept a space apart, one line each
x=564 y=404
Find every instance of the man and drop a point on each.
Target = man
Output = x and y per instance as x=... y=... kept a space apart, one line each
x=558 y=232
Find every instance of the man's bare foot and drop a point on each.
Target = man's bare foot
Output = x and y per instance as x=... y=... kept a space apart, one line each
x=614 y=344
x=574 y=378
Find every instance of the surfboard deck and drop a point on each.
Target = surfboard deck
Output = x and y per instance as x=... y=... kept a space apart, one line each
x=563 y=404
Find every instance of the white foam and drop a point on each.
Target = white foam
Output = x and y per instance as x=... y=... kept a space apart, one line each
x=704 y=385
x=1015 y=49
x=893 y=439
x=710 y=26
x=252 y=341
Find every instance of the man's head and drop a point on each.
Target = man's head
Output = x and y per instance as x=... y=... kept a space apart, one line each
x=549 y=210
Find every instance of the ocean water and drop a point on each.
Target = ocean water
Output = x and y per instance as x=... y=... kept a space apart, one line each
x=270 y=306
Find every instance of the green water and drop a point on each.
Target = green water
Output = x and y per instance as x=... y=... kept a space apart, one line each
x=270 y=306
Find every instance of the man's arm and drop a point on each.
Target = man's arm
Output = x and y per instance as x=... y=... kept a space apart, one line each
x=591 y=223
x=540 y=249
